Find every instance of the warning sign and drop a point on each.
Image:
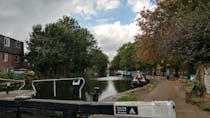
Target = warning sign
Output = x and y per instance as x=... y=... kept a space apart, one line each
x=153 y=109
x=126 y=110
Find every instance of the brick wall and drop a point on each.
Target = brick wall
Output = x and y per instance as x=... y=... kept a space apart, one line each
x=11 y=62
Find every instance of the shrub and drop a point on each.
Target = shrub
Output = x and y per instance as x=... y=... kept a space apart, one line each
x=197 y=87
x=11 y=76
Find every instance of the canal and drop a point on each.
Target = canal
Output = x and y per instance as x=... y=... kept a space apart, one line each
x=108 y=86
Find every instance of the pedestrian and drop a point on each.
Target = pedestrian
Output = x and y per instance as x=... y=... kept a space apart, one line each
x=168 y=72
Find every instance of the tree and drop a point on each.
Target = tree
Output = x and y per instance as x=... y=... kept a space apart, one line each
x=98 y=62
x=180 y=29
x=126 y=59
x=60 y=49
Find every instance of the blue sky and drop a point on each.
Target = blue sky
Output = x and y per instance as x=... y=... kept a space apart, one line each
x=112 y=22
x=123 y=13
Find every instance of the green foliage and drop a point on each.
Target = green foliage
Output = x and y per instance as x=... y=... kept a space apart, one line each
x=98 y=62
x=60 y=49
x=196 y=86
x=129 y=97
x=197 y=100
x=4 y=75
x=8 y=76
x=126 y=59
x=205 y=106
x=177 y=31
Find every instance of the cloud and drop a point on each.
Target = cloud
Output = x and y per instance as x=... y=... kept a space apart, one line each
x=111 y=36
x=138 y=5
x=18 y=16
x=107 y=4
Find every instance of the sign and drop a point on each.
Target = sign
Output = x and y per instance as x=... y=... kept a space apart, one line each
x=126 y=110
x=153 y=109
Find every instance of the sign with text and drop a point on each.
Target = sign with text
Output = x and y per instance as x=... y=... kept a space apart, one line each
x=153 y=109
x=126 y=110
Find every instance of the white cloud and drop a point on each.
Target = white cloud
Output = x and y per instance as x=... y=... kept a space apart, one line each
x=111 y=36
x=107 y=4
x=138 y=5
x=18 y=16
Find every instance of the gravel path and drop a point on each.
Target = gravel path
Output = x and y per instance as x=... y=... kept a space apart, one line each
x=174 y=90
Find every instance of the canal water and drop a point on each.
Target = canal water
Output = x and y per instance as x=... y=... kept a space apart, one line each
x=108 y=86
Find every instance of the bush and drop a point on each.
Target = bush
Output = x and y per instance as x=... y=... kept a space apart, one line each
x=197 y=87
x=11 y=76
x=4 y=75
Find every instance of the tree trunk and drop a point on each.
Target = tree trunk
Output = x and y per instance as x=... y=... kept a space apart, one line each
x=164 y=69
x=177 y=72
x=200 y=72
x=155 y=69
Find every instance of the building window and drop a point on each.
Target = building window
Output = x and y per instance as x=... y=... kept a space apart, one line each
x=17 y=59
x=5 y=57
x=18 y=45
x=6 y=42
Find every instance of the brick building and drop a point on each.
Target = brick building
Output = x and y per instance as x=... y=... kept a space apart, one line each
x=11 y=53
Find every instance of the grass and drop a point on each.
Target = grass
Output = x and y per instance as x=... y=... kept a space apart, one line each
x=201 y=103
x=131 y=95
x=128 y=97
x=197 y=100
x=205 y=106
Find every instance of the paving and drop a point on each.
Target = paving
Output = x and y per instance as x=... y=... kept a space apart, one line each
x=174 y=90
x=12 y=94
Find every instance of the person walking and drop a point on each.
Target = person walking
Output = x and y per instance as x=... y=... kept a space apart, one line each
x=168 y=72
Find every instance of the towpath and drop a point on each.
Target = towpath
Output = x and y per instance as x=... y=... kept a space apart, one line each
x=173 y=90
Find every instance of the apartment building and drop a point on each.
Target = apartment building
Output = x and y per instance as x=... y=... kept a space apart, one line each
x=11 y=53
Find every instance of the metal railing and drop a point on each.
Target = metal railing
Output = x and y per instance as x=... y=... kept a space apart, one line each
x=54 y=84
x=12 y=80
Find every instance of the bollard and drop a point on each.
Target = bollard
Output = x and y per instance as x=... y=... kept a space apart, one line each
x=96 y=94
x=8 y=87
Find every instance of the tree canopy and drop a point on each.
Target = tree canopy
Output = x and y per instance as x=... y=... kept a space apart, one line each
x=176 y=31
x=60 y=49
x=126 y=59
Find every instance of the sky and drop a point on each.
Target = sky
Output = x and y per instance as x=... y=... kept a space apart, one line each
x=112 y=22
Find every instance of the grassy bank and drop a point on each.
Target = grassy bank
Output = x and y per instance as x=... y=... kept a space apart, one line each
x=131 y=95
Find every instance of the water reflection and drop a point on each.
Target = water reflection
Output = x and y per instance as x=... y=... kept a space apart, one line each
x=109 y=90
x=108 y=86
